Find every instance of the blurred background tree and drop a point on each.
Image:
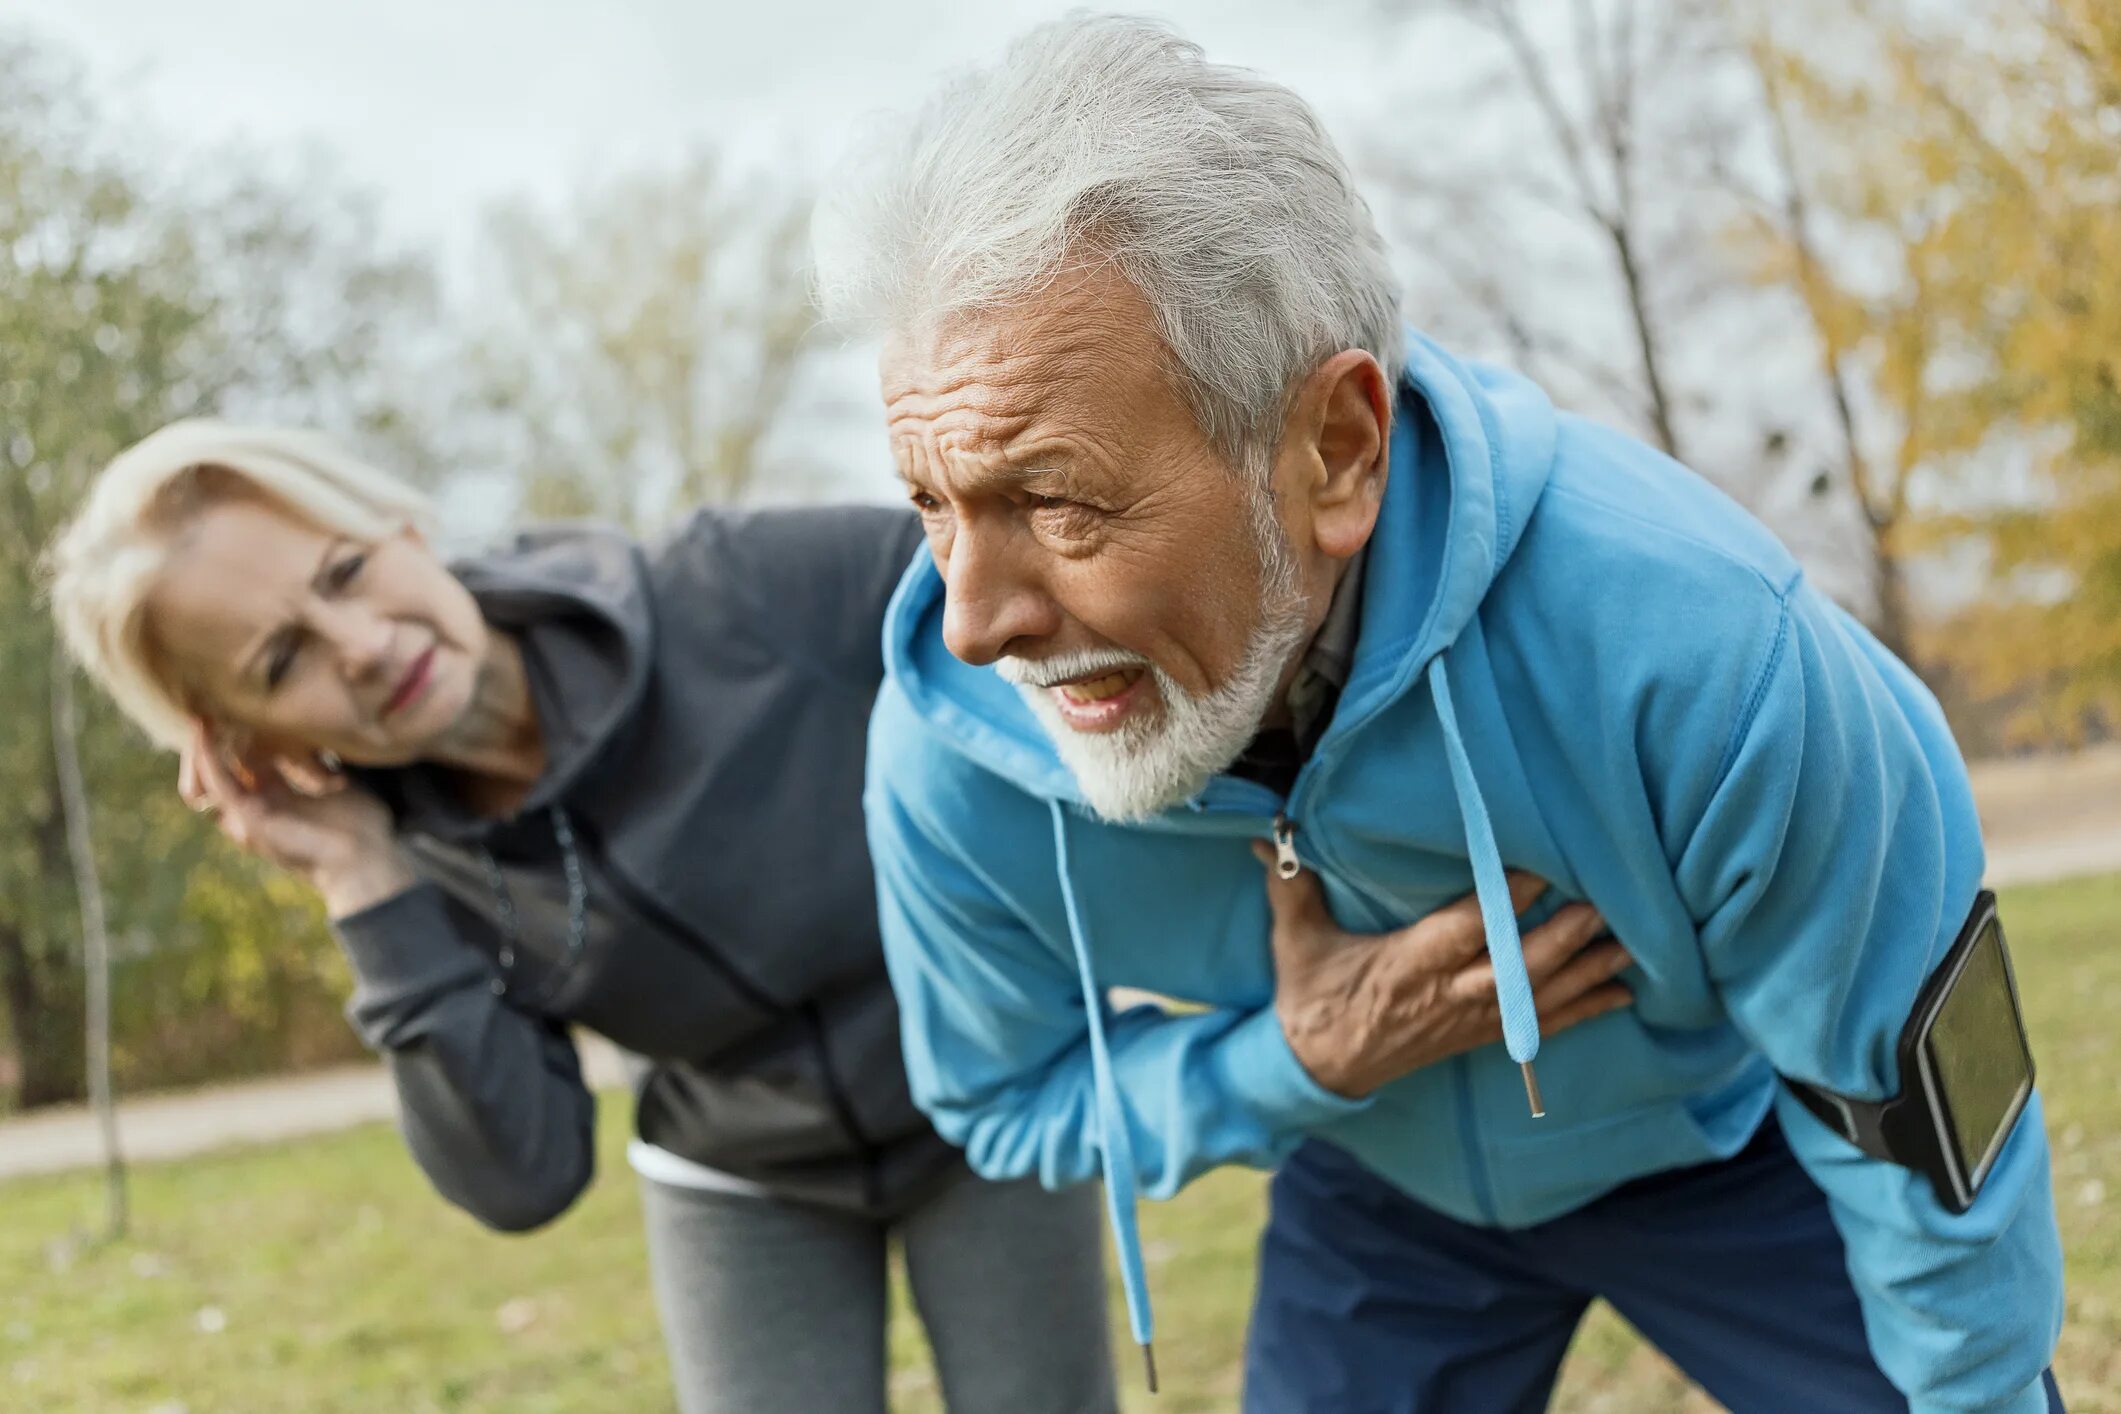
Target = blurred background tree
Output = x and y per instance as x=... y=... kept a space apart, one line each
x=124 y=305
x=1563 y=201
x=637 y=351
x=1853 y=262
x=1963 y=277
x=1595 y=120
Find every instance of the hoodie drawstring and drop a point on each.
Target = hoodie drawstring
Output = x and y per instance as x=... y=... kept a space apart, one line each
x=1115 y=1146
x=1513 y=987
x=1498 y=914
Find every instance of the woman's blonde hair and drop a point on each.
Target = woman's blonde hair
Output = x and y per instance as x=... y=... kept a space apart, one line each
x=104 y=565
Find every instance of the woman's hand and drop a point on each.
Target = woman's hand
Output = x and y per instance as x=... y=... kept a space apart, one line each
x=1363 y=1009
x=300 y=816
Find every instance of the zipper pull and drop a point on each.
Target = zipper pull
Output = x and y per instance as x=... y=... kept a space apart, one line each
x=1286 y=864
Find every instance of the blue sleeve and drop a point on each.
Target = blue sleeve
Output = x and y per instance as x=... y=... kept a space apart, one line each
x=997 y=1038
x=1837 y=859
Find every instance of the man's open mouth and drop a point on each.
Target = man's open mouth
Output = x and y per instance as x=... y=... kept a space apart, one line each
x=1099 y=689
x=1101 y=703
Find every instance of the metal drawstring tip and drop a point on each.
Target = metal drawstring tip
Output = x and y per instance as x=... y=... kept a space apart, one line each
x=1531 y=1090
x=1149 y=1363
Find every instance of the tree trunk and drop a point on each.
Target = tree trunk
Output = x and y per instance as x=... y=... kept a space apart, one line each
x=95 y=936
x=1893 y=626
x=1661 y=420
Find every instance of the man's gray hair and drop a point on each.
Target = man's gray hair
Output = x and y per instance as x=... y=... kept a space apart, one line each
x=1214 y=190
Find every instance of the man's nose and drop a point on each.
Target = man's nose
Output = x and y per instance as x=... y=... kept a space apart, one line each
x=994 y=604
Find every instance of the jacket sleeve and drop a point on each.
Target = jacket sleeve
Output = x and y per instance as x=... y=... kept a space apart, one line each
x=997 y=1045
x=490 y=1098
x=1837 y=858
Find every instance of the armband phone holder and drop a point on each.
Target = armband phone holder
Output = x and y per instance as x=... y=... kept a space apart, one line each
x=1966 y=1071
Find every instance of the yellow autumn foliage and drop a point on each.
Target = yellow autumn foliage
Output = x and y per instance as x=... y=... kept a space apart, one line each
x=1974 y=170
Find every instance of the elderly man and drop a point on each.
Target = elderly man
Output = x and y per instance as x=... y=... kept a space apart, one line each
x=1225 y=562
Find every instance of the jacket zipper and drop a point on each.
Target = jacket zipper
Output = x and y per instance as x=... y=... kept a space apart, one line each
x=1287 y=865
x=843 y=1107
x=813 y=1020
x=1469 y=1140
x=644 y=902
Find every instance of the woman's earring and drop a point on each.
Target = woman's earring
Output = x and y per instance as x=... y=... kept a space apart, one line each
x=330 y=761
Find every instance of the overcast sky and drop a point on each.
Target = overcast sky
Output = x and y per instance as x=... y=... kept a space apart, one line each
x=443 y=105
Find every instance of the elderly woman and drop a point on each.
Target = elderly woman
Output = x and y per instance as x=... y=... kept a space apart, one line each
x=583 y=781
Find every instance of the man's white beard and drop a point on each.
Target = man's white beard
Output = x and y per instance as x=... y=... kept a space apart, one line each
x=1150 y=764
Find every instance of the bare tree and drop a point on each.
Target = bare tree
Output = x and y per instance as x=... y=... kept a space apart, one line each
x=1883 y=506
x=1600 y=155
x=1575 y=193
x=1861 y=213
x=639 y=350
x=95 y=936
x=1609 y=109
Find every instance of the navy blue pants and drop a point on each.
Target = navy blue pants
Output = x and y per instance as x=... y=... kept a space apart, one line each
x=1370 y=1303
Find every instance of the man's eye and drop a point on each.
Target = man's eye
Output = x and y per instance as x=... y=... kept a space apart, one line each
x=344 y=572
x=1063 y=516
x=923 y=502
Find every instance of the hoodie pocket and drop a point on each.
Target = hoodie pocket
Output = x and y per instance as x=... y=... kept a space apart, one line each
x=1706 y=1096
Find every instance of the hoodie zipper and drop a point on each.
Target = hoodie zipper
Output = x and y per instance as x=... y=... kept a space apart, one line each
x=843 y=1107
x=1469 y=1139
x=652 y=907
x=1287 y=865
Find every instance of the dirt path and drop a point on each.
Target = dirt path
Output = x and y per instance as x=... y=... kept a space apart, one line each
x=2051 y=817
x=171 y=1126
x=2046 y=818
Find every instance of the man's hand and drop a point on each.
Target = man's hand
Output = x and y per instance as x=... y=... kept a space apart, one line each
x=1360 y=1010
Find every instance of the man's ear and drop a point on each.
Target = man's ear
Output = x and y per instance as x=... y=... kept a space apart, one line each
x=1344 y=413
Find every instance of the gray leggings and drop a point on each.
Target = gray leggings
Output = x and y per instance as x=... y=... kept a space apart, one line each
x=779 y=1308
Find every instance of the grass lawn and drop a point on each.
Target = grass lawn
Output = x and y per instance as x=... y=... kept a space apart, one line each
x=323 y=1275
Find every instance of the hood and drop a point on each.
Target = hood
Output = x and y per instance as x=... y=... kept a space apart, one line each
x=577 y=598
x=1472 y=448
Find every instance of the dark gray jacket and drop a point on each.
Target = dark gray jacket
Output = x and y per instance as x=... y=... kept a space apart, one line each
x=705 y=706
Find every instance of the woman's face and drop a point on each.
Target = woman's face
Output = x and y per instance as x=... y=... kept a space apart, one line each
x=309 y=640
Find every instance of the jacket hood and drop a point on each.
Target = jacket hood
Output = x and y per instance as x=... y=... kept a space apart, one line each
x=578 y=600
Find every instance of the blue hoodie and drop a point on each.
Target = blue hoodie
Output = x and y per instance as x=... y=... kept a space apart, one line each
x=1576 y=658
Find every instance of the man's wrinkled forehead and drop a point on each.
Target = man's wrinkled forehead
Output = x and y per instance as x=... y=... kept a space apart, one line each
x=971 y=390
x=1082 y=355
x=1004 y=364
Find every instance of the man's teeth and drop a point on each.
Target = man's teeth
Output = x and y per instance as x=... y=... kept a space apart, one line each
x=1097 y=689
